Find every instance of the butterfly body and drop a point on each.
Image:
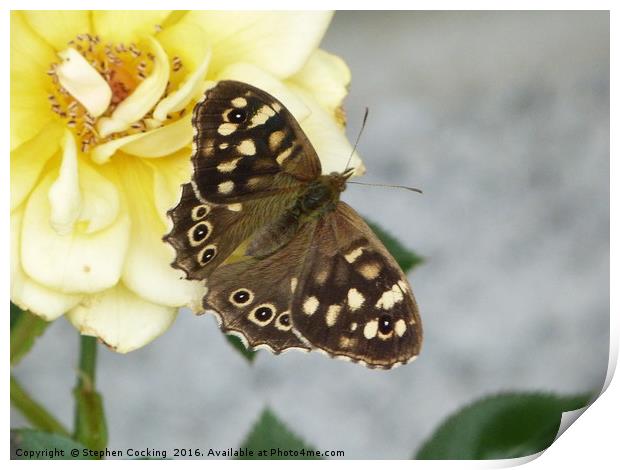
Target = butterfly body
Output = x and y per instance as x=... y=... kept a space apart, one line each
x=321 y=196
x=286 y=263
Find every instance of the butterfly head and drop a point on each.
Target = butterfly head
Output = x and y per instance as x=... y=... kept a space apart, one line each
x=338 y=180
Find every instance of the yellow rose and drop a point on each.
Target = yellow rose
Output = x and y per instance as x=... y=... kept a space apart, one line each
x=100 y=143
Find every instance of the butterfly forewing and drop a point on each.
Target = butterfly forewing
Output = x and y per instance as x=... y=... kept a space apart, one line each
x=247 y=145
x=251 y=161
x=353 y=299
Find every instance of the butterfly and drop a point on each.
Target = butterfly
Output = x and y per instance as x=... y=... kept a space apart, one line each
x=312 y=274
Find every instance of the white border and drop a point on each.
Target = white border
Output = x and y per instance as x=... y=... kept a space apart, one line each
x=592 y=441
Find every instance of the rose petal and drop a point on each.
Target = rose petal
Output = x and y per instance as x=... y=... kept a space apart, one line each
x=162 y=141
x=188 y=42
x=78 y=262
x=326 y=76
x=59 y=27
x=191 y=88
x=28 y=160
x=100 y=200
x=118 y=26
x=150 y=144
x=28 y=294
x=169 y=173
x=328 y=139
x=121 y=319
x=64 y=194
x=31 y=58
x=83 y=82
x=143 y=98
x=249 y=73
x=147 y=269
x=278 y=41
x=94 y=210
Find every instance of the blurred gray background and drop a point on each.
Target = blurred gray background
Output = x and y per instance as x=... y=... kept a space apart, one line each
x=502 y=118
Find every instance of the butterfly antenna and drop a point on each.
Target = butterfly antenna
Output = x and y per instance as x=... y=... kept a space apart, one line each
x=408 y=188
x=358 y=139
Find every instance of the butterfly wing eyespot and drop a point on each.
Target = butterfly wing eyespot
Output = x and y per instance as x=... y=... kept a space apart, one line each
x=199 y=233
x=207 y=254
x=237 y=116
x=200 y=211
x=241 y=297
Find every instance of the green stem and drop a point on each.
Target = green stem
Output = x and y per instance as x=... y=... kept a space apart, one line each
x=88 y=363
x=38 y=416
x=90 y=423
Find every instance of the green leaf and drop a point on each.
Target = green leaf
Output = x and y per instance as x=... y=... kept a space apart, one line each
x=503 y=426
x=271 y=439
x=28 y=444
x=406 y=258
x=25 y=328
x=236 y=343
x=33 y=411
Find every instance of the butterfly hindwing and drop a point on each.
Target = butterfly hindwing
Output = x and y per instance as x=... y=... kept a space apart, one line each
x=204 y=235
x=252 y=298
x=353 y=300
x=247 y=146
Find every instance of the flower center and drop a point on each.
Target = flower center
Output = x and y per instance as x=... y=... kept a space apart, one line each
x=123 y=67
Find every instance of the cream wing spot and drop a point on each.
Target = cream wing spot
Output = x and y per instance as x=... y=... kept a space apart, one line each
x=227 y=167
x=281 y=158
x=223 y=145
x=332 y=314
x=226 y=187
x=400 y=327
x=261 y=116
x=347 y=343
x=370 y=329
x=268 y=111
x=310 y=305
x=369 y=271
x=293 y=284
x=321 y=277
x=247 y=147
x=275 y=139
x=226 y=128
x=234 y=207
x=239 y=102
x=355 y=299
x=353 y=255
x=390 y=298
x=254 y=181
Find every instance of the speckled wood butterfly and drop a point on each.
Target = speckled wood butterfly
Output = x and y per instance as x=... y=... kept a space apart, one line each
x=314 y=275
